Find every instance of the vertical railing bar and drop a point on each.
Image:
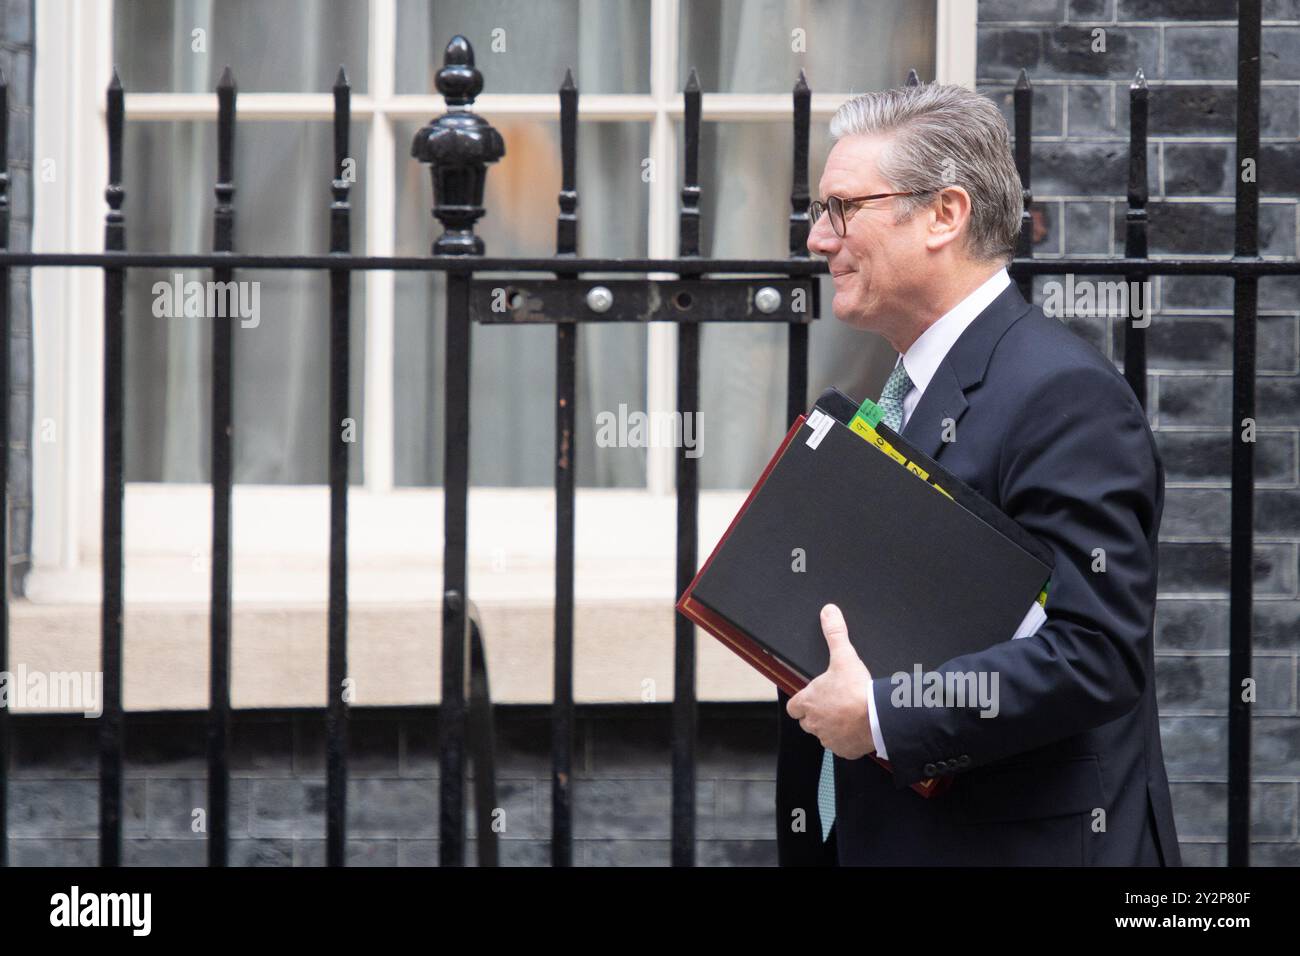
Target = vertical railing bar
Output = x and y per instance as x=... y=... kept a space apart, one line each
x=219 y=717
x=336 y=719
x=482 y=734
x=457 y=146
x=1023 y=102
x=566 y=353
x=1245 y=303
x=688 y=402
x=1135 y=240
x=111 y=722
x=5 y=320
x=797 y=351
x=451 y=710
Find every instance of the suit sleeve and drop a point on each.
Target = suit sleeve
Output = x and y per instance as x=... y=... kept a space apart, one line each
x=1079 y=470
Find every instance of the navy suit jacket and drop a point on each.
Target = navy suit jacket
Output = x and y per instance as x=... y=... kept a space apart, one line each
x=1070 y=771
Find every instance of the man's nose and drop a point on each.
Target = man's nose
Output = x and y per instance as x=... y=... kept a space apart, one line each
x=822 y=240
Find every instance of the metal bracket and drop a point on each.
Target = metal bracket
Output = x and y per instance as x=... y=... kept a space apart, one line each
x=548 y=301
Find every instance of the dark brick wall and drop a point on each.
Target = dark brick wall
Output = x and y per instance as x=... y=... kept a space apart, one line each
x=1187 y=50
x=17 y=35
x=622 y=790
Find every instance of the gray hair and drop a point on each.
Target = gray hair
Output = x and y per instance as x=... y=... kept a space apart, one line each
x=944 y=135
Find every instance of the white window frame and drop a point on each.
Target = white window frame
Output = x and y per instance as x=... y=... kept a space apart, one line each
x=166 y=523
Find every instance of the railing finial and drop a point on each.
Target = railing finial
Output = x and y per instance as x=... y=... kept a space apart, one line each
x=458 y=80
x=458 y=145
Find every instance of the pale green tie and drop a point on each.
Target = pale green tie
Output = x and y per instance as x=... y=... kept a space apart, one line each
x=891 y=403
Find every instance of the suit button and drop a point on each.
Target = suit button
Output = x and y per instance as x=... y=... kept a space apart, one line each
x=963 y=760
x=929 y=770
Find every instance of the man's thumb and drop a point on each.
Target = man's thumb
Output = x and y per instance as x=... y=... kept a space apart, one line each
x=836 y=631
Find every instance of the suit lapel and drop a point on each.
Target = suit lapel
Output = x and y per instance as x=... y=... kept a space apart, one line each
x=961 y=370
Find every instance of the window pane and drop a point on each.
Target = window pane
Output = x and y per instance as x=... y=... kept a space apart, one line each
x=843 y=46
x=181 y=46
x=745 y=178
x=526 y=47
x=512 y=407
x=281 y=351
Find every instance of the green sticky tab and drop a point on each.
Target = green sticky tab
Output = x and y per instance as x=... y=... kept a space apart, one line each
x=870 y=412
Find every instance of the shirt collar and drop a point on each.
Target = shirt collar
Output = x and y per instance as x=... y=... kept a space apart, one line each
x=922 y=359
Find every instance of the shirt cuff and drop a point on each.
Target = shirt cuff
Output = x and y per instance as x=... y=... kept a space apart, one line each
x=1034 y=619
x=875 y=723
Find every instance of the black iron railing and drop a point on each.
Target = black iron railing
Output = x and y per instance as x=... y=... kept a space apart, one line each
x=458 y=147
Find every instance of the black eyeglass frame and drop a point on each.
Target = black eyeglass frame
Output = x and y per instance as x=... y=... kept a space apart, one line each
x=841 y=228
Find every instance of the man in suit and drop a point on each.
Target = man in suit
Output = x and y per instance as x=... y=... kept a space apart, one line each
x=918 y=213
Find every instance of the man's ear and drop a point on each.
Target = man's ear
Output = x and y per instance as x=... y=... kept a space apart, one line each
x=950 y=216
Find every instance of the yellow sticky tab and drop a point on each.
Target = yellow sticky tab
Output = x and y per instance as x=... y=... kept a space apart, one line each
x=862 y=429
x=873 y=436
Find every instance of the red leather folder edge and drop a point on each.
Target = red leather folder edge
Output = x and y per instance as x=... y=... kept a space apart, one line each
x=745 y=647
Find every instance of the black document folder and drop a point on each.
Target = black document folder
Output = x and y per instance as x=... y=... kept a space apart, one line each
x=921 y=576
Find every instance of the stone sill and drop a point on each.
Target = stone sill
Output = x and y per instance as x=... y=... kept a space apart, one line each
x=623 y=653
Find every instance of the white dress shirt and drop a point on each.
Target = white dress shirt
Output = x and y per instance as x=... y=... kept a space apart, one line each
x=923 y=357
x=922 y=360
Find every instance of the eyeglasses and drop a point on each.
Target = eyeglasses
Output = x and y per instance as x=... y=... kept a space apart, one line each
x=837 y=208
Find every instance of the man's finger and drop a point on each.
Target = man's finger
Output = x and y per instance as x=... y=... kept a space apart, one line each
x=796 y=707
x=836 y=632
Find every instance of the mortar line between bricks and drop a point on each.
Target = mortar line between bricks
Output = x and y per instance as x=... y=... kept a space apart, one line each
x=1173 y=312
x=1222 y=781
x=1223 y=653
x=1224 y=485
x=1222 y=430
x=1222 y=539
x=1090 y=138
x=1270 y=714
x=1274 y=714
x=1009 y=82
x=1123 y=24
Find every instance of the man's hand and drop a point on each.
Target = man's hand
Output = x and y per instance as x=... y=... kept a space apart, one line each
x=833 y=707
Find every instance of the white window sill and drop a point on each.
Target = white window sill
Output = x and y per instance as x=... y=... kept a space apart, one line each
x=623 y=615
